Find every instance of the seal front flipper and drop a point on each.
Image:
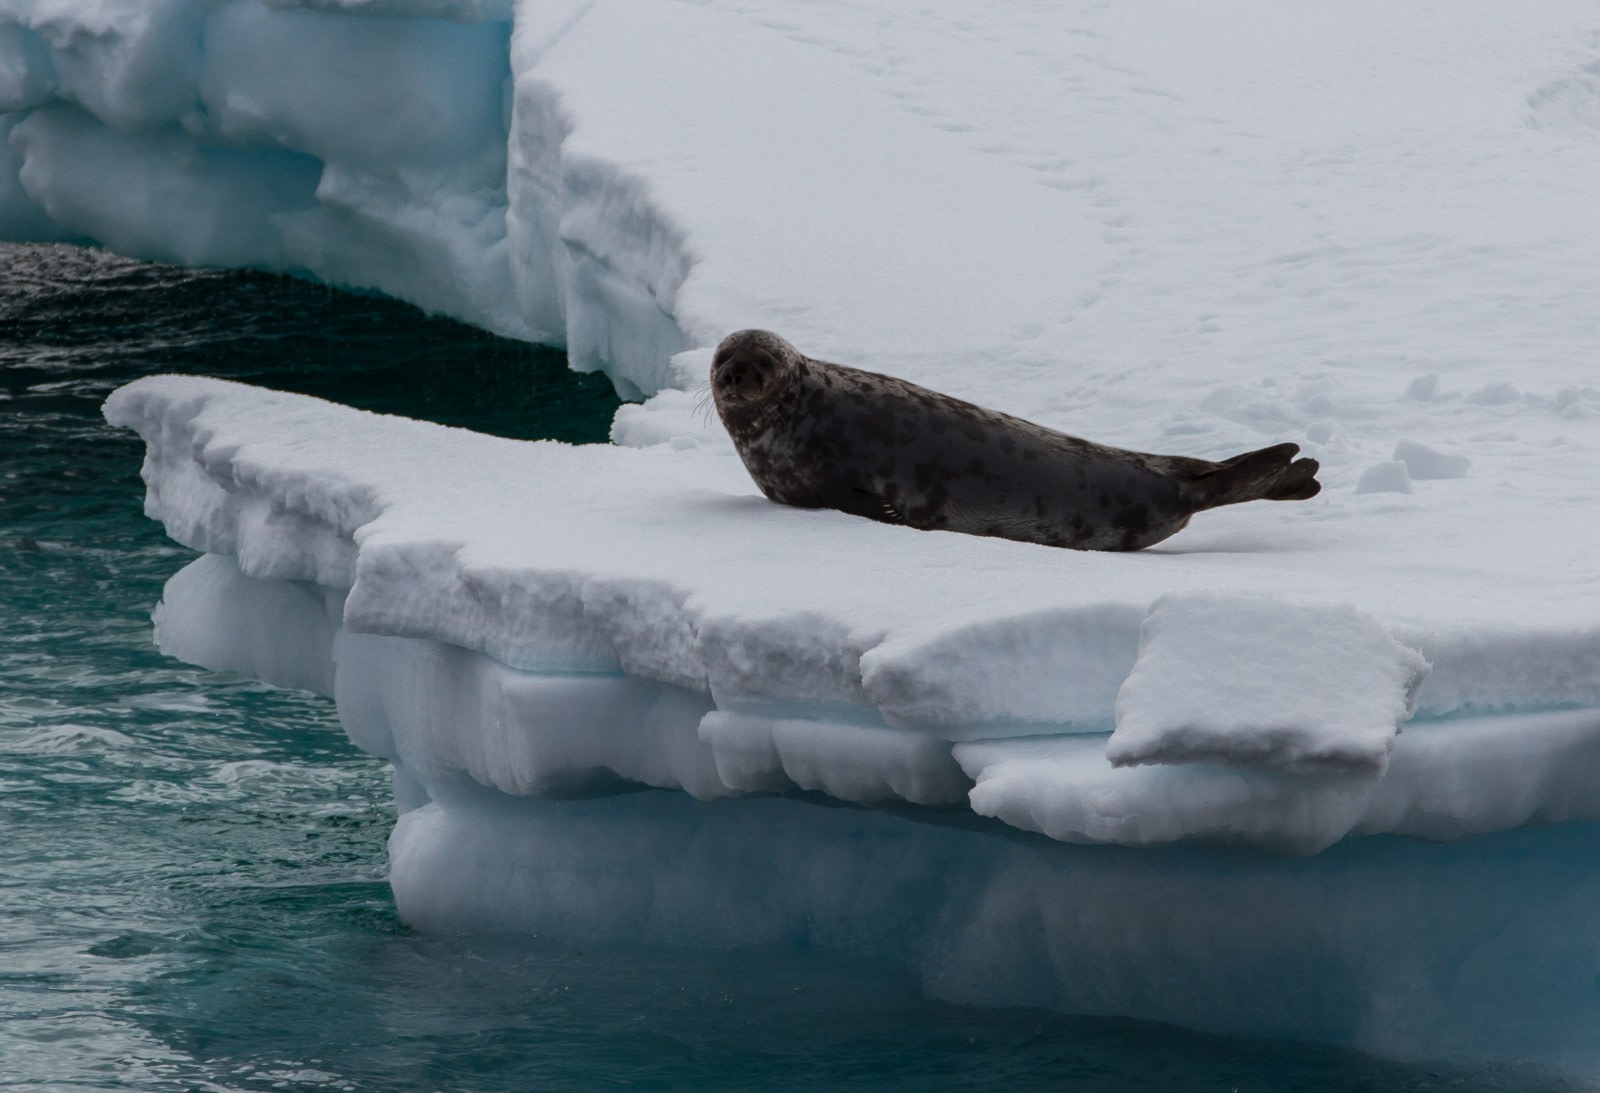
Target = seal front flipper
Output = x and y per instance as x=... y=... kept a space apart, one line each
x=1269 y=474
x=873 y=505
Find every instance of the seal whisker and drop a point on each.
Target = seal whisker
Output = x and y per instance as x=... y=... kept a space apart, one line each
x=702 y=405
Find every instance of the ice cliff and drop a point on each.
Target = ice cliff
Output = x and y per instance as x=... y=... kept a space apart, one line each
x=1369 y=231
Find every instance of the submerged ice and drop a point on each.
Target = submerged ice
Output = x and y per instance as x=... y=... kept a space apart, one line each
x=1166 y=230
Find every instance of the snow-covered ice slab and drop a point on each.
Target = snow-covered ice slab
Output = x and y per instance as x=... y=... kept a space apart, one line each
x=542 y=619
x=1259 y=682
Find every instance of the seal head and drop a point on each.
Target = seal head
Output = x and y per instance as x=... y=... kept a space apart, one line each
x=751 y=375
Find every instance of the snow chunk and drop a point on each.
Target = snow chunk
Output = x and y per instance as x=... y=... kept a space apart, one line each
x=1065 y=788
x=1569 y=401
x=1423 y=462
x=1388 y=477
x=1424 y=388
x=366 y=152
x=1258 y=682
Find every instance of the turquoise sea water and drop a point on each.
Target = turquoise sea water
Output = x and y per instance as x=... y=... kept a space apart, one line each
x=192 y=890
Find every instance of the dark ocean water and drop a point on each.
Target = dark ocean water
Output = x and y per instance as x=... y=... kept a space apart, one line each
x=192 y=891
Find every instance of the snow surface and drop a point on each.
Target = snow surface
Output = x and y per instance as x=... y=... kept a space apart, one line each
x=1185 y=228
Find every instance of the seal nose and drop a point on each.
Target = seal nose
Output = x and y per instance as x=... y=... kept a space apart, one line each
x=740 y=375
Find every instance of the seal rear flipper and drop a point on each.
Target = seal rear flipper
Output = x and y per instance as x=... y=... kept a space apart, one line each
x=1269 y=474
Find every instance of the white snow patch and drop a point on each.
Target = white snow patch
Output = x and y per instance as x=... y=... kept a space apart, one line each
x=1390 y=476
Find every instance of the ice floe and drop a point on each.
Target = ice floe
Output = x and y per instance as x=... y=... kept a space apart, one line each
x=546 y=619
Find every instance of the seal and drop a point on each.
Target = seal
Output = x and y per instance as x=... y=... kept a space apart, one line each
x=820 y=435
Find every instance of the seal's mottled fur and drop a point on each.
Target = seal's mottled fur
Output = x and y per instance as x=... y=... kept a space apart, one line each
x=820 y=435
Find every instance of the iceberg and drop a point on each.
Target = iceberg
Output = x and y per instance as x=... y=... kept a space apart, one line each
x=1033 y=776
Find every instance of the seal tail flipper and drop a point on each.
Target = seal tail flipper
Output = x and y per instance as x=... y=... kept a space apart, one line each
x=1270 y=474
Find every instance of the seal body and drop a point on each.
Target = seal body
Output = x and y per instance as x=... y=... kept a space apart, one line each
x=821 y=435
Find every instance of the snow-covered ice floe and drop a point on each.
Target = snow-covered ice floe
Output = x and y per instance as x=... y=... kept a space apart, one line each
x=545 y=618
x=1368 y=231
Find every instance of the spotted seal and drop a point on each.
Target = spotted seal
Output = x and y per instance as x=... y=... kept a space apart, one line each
x=821 y=435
